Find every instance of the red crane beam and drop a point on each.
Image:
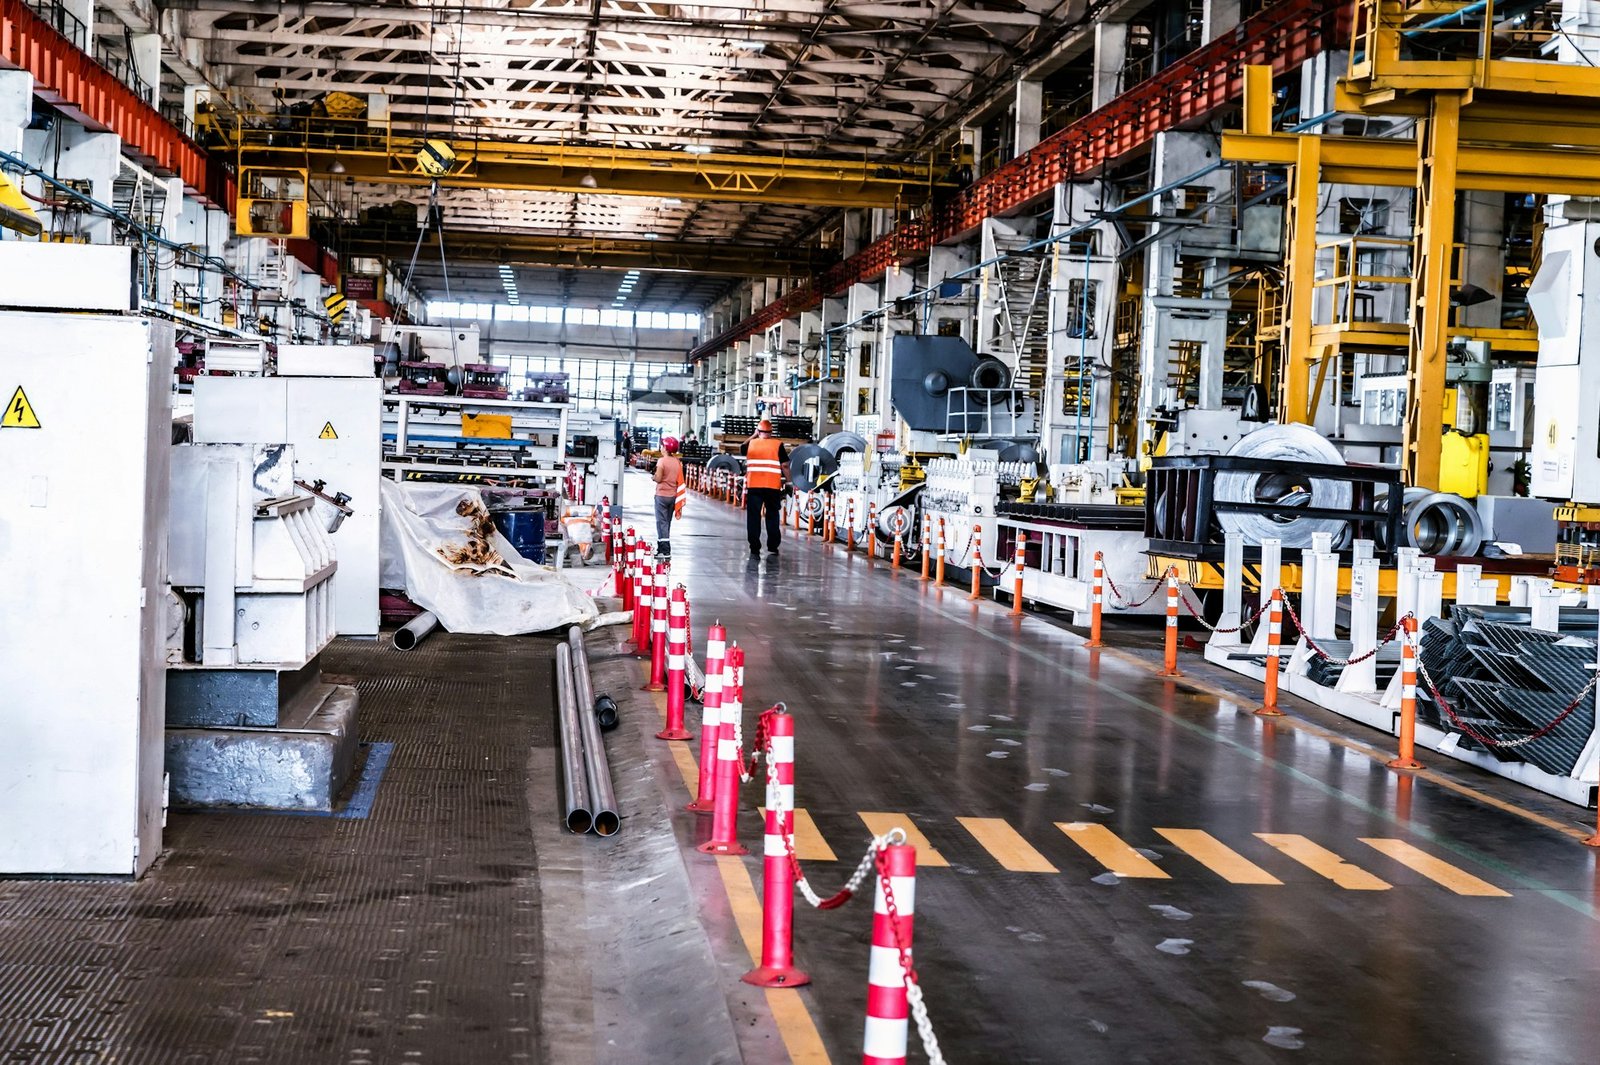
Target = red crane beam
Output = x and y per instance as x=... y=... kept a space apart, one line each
x=1187 y=93
x=69 y=79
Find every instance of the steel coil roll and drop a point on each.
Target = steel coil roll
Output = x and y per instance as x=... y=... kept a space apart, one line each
x=1284 y=443
x=810 y=465
x=837 y=444
x=1439 y=523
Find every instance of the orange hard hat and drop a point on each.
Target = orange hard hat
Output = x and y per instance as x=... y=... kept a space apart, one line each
x=765 y=426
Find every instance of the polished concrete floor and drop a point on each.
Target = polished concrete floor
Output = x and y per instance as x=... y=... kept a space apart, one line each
x=1120 y=868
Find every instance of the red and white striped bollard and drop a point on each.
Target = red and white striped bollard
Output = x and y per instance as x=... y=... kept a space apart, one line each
x=1169 y=663
x=1269 y=702
x=644 y=597
x=888 y=1004
x=1407 y=756
x=1097 y=599
x=1016 y=584
x=711 y=719
x=725 y=818
x=777 y=875
x=677 y=656
x=658 y=630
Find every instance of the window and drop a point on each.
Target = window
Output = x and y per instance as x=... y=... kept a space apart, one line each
x=505 y=313
x=609 y=317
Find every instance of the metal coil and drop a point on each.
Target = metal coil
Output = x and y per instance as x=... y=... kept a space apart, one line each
x=1439 y=523
x=1286 y=443
x=837 y=444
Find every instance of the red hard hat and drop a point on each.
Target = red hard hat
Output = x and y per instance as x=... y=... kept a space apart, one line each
x=669 y=444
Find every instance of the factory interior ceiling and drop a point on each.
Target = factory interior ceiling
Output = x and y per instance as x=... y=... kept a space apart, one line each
x=865 y=81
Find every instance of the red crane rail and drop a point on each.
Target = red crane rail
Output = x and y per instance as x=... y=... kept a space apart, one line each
x=69 y=79
x=1190 y=91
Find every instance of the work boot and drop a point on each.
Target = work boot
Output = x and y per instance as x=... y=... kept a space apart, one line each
x=664 y=549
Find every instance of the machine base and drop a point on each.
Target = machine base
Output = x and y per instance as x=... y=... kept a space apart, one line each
x=303 y=765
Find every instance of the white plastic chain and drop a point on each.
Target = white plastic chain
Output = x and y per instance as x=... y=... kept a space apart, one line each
x=919 y=1009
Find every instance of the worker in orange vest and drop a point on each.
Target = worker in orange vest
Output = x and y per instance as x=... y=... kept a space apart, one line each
x=669 y=485
x=766 y=467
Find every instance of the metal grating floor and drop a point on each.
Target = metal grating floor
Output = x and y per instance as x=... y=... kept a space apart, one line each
x=412 y=935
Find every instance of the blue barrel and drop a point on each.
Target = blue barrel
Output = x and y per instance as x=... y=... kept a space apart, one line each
x=524 y=527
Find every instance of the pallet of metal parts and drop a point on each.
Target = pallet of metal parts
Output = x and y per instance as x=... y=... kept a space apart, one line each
x=1185 y=515
x=1327 y=670
x=1507 y=683
x=694 y=453
x=424 y=378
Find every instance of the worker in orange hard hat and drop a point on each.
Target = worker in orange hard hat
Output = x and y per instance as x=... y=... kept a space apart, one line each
x=766 y=467
x=669 y=490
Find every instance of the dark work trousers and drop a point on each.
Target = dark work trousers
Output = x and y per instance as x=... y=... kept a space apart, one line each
x=755 y=500
x=664 y=507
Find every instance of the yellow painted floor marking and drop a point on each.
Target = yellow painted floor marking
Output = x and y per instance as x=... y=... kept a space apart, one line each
x=1006 y=845
x=1217 y=856
x=809 y=846
x=1323 y=861
x=687 y=767
x=789 y=1013
x=1439 y=871
x=927 y=857
x=1104 y=846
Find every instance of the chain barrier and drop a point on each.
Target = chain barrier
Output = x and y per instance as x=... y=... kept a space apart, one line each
x=1183 y=597
x=1504 y=745
x=762 y=746
x=1324 y=655
x=919 y=1009
x=1123 y=604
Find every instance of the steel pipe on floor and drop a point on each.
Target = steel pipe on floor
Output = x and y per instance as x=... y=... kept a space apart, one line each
x=415 y=631
x=575 y=808
x=602 y=797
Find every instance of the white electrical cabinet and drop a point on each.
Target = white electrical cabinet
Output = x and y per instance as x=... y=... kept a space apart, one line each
x=334 y=425
x=84 y=439
x=1566 y=429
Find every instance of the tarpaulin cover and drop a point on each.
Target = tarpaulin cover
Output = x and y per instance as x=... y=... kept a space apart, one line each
x=419 y=519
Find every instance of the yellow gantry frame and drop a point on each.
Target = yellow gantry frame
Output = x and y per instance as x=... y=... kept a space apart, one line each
x=374 y=151
x=1484 y=125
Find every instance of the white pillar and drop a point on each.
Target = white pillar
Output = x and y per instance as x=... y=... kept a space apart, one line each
x=1467 y=578
x=1029 y=114
x=1232 y=590
x=1362 y=676
x=1110 y=55
x=1547 y=610
x=1271 y=579
x=145 y=58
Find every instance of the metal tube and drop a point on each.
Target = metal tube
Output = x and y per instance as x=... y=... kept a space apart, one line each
x=602 y=798
x=415 y=631
x=574 y=775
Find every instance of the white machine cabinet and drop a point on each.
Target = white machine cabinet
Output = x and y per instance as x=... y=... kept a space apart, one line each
x=83 y=504
x=333 y=424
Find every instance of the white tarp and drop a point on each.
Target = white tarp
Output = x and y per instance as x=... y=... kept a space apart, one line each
x=418 y=519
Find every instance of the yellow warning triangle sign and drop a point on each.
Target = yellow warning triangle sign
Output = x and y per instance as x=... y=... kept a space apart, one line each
x=19 y=412
x=327 y=432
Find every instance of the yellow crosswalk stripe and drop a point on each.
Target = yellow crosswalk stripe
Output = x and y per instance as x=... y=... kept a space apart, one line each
x=1104 y=846
x=1006 y=845
x=1217 y=856
x=1439 y=871
x=688 y=768
x=879 y=823
x=809 y=846
x=1324 y=862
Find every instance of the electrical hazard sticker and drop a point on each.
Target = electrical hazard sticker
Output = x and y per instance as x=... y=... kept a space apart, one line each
x=327 y=432
x=19 y=412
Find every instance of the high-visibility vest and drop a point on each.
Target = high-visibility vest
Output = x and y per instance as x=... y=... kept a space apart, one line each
x=762 y=468
x=682 y=498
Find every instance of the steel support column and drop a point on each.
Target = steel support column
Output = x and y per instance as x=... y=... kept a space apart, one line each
x=1294 y=403
x=1430 y=289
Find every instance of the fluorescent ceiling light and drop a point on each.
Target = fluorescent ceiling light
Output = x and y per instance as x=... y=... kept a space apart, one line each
x=698 y=149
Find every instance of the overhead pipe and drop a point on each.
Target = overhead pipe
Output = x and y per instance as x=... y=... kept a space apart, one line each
x=574 y=774
x=415 y=631
x=602 y=797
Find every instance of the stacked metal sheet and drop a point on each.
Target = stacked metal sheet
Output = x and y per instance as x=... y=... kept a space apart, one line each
x=1507 y=681
x=1326 y=673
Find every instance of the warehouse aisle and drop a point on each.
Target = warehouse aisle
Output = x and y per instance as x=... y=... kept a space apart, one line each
x=1123 y=869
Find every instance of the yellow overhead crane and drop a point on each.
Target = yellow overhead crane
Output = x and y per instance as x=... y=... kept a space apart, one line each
x=1485 y=123
x=334 y=145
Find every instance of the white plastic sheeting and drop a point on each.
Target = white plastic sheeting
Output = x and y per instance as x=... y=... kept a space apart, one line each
x=418 y=519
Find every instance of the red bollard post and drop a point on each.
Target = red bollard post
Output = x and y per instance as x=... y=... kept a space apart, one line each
x=899 y=548
x=628 y=570
x=1169 y=662
x=872 y=529
x=725 y=818
x=1097 y=599
x=888 y=1005
x=644 y=597
x=811 y=518
x=658 y=632
x=711 y=719
x=927 y=544
x=1269 y=703
x=977 y=562
x=1407 y=758
x=677 y=655
x=1016 y=584
x=777 y=875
